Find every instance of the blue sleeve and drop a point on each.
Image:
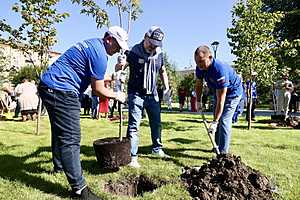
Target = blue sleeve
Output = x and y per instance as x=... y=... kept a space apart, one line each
x=97 y=64
x=222 y=78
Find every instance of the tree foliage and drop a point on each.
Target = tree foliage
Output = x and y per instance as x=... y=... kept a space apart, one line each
x=29 y=72
x=131 y=8
x=4 y=68
x=37 y=33
x=287 y=33
x=253 y=43
x=252 y=40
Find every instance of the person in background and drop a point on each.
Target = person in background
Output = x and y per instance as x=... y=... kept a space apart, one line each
x=254 y=96
x=60 y=87
x=145 y=61
x=240 y=108
x=182 y=96
x=227 y=85
x=284 y=88
x=87 y=101
x=193 y=101
x=28 y=99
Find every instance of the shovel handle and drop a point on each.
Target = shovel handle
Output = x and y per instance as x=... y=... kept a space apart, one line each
x=210 y=134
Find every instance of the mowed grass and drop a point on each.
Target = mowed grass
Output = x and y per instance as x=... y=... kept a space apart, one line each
x=25 y=158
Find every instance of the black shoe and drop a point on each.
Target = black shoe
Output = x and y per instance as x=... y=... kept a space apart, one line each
x=86 y=194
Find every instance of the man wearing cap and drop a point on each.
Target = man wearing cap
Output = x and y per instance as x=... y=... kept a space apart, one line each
x=145 y=61
x=60 y=87
x=227 y=85
x=254 y=96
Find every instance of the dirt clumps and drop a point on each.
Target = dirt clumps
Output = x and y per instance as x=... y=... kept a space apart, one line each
x=226 y=177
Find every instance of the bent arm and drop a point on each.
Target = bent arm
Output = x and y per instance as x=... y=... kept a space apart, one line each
x=100 y=89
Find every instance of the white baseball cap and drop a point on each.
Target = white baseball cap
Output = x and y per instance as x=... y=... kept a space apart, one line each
x=155 y=35
x=120 y=35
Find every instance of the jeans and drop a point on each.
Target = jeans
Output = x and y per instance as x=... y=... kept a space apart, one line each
x=136 y=104
x=95 y=106
x=223 y=134
x=64 y=113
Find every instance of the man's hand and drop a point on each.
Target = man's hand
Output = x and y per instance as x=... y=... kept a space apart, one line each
x=120 y=96
x=213 y=127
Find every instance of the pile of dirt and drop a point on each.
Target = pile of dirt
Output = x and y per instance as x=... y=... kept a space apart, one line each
x=226 y=177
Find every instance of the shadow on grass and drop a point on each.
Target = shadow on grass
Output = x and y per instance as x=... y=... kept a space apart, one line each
x=245 y=127
x=183 y=140
x=174 y=153
x=18 y=169
x=191 y=120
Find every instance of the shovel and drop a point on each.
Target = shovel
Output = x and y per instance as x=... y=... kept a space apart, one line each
x=210 y=135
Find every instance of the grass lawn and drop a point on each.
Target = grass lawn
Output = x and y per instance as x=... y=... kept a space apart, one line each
x=25 y=158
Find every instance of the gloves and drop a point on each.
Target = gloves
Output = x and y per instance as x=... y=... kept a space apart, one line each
x=213 y=127
x=120 y=96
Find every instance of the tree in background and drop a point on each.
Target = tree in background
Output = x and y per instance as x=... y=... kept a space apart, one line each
x=131 y=8
x=37 y=33
x=5 y=68
x=287 y=33
x=252 y=42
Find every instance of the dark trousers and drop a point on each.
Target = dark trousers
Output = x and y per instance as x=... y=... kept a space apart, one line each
x=254 y=101
x=64 y=113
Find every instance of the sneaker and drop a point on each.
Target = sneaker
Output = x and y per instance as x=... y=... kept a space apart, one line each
x=86 y=194
x=134 y=163
x=160 y=153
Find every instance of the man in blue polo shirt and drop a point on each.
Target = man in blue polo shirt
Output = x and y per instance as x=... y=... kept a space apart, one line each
x=227 y=85
x=60 y=87
x=145 y=61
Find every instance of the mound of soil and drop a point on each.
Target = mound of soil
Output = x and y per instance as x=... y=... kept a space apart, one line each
x=226 y=177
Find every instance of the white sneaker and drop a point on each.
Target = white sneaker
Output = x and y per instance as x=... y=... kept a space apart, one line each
x=134 y=163
x=160 y=153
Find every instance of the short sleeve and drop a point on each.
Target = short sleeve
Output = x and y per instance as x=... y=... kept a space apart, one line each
x=97 y=64
x=222 y=78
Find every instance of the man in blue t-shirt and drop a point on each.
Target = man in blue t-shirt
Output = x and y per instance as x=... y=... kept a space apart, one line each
x=227 y=85
x=60 y=87
x=145 y=61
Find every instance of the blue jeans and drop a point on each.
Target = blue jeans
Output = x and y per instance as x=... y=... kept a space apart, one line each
x=136 y=103
x=64 y=113
x=223 y=134
x=95 y=104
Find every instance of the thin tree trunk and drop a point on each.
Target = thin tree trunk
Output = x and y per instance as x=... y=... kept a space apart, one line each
x=39 y=117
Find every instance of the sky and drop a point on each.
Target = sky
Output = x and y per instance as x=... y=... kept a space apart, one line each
x=186 y=24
